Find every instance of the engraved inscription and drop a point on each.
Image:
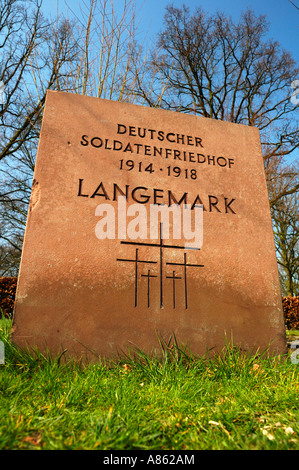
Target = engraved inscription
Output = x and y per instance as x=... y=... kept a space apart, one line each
x=161 y=268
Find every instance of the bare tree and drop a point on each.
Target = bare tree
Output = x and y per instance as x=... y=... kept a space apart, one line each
x=91 y=52
x=285 y=216
x=34 y=57
x=106 y=41
x=24 y=61
x=286 y=231
x=219 y=69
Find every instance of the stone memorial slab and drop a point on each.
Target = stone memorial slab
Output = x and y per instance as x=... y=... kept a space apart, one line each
x=101 y=271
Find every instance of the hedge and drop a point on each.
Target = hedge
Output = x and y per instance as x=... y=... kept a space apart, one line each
x=291 y=312
x=8 y=286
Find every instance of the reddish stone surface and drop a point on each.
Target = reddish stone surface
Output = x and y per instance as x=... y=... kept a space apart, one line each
x=98 y=297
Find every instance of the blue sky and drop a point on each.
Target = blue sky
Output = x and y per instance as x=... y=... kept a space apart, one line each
x=282 y=15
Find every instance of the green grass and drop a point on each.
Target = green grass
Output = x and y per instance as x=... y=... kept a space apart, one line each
x=292 y=333
x=178 y=402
